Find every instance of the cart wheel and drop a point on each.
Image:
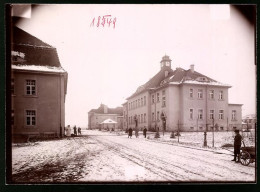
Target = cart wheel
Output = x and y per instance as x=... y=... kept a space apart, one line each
x=245 y=158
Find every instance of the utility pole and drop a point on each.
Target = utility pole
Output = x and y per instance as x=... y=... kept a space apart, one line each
x=197 y=124
x=178 y=130
x=227 y=124
x=213 y=133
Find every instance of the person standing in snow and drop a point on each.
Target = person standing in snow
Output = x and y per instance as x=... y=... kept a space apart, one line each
x=237 y=146
x=75 y=130
x=79 y=130
x=144 y=132
x=130 y=131
x=136 y=132
x=68 y=131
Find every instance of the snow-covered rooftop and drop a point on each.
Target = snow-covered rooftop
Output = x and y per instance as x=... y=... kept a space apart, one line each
x=39 y=68
x=19 y=54
x=206 y=83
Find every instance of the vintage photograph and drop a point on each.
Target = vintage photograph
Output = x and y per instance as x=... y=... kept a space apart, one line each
x=132 y=93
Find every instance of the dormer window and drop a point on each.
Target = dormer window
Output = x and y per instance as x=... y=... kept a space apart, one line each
x=162 y=82
x=203 y=79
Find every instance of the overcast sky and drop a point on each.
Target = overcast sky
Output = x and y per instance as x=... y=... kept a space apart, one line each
x=107 y=64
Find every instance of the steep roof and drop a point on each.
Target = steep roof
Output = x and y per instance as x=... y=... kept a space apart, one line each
x=101 y=110
x=35 y=51
x=177 y=77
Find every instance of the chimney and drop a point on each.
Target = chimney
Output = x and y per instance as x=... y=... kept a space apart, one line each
x=105 y=109
x=192 y=68
x=166 y=73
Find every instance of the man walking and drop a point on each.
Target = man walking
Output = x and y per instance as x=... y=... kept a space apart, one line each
x=237 y=146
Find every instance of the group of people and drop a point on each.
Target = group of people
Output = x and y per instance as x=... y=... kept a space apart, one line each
x=76 y=131
x=130 y=132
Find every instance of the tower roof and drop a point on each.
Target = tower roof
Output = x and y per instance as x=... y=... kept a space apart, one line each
x=166 y=58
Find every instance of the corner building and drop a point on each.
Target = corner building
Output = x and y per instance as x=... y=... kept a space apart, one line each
x=183 y=100
x=38 y=88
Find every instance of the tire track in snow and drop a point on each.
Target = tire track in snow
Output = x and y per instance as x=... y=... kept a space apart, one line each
x=154 y=162
x=206 y=175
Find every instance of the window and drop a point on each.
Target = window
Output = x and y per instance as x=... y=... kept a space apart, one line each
x=153 y=116
x=191 y=128
x=158 y=97
x=30 y=87
x=142 y=118
x=139 y=103
x=12 y=86
x=129 y=121
x=152 y=98
x=191 y=113
x=145 y=118
x=142 y=103
x=211 y=94
x=200 y=93
x=221 y=114
x=12 y=118
x=144 y=100
x=211 y=114
x=234 y=114
x=221 y=128
x=163 y=101
x=139 y=118
x=221 y=95
x=158 y=115
x=200 y=128
x=163 y=92
x=191 y=93
x=200 y=114
x=30 y=117
x=211 y=127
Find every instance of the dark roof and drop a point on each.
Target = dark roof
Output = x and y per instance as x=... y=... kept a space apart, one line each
x=154 y=81
x=100 y=110
x=179 y=75
x=36 y=51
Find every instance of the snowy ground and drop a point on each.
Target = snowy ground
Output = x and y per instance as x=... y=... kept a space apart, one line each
x=110 y=157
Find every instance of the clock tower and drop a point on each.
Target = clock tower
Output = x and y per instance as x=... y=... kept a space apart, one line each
x=165 y=62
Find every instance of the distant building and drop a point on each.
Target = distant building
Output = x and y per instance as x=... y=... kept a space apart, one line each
x=38 y=87
x=97 y=116
x=182 y=100
x=249 y=121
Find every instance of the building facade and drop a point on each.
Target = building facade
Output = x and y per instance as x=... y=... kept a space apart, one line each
x=38 y=87
x=97 y=116
x=249 y=121
x=183 y=100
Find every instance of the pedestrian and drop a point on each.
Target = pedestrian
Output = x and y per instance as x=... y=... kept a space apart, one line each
x=130 y=131
x=79 y=130
x=68 y=131
x=237 y=146
x=136 y=132
x=75 y=130
x=144 y=132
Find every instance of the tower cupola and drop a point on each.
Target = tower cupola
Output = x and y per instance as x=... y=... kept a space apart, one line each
x=166 y=62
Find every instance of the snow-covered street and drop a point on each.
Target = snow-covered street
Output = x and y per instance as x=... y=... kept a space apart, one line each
x=105 y=157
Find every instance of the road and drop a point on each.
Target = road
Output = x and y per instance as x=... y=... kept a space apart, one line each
x=106 y=157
